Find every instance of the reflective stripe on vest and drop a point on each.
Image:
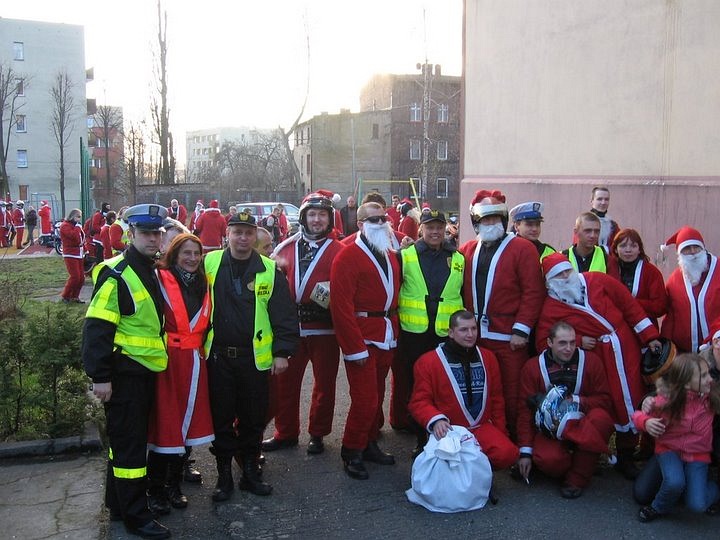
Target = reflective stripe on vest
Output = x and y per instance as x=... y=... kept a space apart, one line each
x=597 y=264
x=186 y=337
x=412 y=309
x=138 y=336
x=264 y=282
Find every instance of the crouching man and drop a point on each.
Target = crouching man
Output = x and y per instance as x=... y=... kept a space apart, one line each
x=459 y=383
x=563 y=438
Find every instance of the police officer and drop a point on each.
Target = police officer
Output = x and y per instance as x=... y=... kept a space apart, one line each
x=432 y=278
x=527 y=223
x=254 y=331
x=122 y=350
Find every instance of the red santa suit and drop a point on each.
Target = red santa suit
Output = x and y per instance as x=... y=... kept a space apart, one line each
x=105 y=239
x=437 y=396
x=118 y=236
x=72 y=237
x=194 y=217
x=96 y=224
x=18 y=221
x=317 y=343
x=179 y=213
x=619 y=324
x=648 y=287
x=45 y=213
x=364 y=313
x=211 y=227
x=394 y=217
x=409 y=227
x=514 y=293
x=5 y=225
x=181 y=415
x=691 y=310
x=582 y=435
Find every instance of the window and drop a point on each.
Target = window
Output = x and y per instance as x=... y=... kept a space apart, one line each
x=22 y=161
x=20 y=86
x=442 y=147
x=375 y=131
x=442 y=113
x=205 y=150
x=415 y=112
x=307 y=169
x=20 y=123
x=442 y=188
x=414 y=149
x=18 y=50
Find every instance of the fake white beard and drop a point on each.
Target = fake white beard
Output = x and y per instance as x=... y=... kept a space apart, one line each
x=489 y=233
x=378 y=235
x=568 y=290
x=693 y=266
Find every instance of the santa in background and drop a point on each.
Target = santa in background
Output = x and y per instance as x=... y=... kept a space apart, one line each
x=210 y=228
x=46 y=226
x=199 y=208
x=693 y=292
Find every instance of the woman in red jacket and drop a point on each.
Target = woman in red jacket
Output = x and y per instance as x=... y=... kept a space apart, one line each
x=73 y=238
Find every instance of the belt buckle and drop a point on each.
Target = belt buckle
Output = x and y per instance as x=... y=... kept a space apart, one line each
x=231 y=352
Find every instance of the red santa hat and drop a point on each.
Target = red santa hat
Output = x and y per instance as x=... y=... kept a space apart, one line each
x=213 y=203
x=555 y=263
x=43 y=203
x=200 y=202
x=488 y=203
x=685 y=236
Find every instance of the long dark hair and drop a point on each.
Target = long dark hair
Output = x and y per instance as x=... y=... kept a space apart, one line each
x=673 y=383
x=169 y=260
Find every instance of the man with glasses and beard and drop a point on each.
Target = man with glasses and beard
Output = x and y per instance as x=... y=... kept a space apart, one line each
x=503 y=286
x=693 y=290
x=612 y=324
x=365 y=280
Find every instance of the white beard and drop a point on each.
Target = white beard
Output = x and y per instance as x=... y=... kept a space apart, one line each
x=693 y=266
x=568 y=290
x=378 y=236
x=490 y=233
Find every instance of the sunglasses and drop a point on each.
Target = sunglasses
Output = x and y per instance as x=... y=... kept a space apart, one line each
x=375 y=219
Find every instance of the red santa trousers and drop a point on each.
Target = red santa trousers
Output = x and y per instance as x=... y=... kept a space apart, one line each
x=75 y=280
x=500 y=450
x=510 y=363
x=18 y=239
x=324 y=353
x=367 y=391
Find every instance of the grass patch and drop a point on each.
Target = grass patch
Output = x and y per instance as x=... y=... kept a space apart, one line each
x=38 y=274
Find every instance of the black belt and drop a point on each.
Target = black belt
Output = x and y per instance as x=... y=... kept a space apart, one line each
x=313 y=313
x=231 y=352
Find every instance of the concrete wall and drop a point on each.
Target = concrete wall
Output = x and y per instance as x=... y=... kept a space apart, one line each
x=562 y=95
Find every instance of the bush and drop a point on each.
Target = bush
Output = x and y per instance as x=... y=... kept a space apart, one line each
x=43 y=388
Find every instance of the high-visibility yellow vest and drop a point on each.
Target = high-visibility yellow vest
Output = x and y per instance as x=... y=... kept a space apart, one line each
x=597 y=264
x=263 y=286
x=412 y=308
x=548 y=250
x=137 y=336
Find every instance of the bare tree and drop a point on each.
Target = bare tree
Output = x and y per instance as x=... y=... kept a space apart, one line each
x=136 y=156
x=108 y=123
x=159 y=109
x=12 y=85
x=62 y=120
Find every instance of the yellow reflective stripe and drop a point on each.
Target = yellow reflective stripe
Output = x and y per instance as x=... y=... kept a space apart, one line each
x=140 y=295
x=129 y=474
x=449 y=309
x=139 y=341
x=110 y=453
x=104 y=314
x=409 y=303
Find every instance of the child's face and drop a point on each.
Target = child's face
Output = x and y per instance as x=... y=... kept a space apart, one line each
x=701 y=381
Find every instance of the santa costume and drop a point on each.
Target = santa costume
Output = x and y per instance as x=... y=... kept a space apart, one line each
x=691 y=308
x=45 y=213
x=210 y=227
x=648 y=287
x=199 y=207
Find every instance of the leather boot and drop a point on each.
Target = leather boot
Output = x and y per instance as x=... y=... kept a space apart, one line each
x=376 y=455
x=353 y=463
x=157 y=467
x=251 y=480
x=175 y=475
x=224 y=486
x=190 y=473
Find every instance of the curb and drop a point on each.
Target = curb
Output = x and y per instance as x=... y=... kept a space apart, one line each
x=89 y=441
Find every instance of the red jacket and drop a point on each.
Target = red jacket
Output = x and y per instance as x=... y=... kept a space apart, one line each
x=18 y=218
x=105 y=239
x=409 y=227
x=116 y=237
x=179 y=214
x=360 y=292
x=211 y=227
x=514 y=292
x=648 y=288
x=96 y=224
x=45 y=220
x=72 y=238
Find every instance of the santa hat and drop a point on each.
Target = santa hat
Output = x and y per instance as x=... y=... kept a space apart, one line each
x=200 y=202
x=493 y=205
x=334 y=197
x=555 y=263
x=685 y=236
x=213 y=203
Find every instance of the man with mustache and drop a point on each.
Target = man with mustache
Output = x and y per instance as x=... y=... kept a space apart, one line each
x=693 y=292
x=365 y=280
x=609 y=322
x=503 y=286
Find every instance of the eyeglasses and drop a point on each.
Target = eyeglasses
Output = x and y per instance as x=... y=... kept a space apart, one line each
x=375 y=219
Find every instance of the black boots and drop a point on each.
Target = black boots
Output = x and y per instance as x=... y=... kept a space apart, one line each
x=316 y=445
x=374 y=454
x=251 y=480
x=157 y=466
x=353 y=463
x=224 y=486
x=175 y=475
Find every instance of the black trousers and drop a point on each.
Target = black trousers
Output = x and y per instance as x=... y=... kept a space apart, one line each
x=127 y=424
x=239 y=399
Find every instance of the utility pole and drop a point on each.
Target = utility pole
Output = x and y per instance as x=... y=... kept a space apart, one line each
x=427 y=71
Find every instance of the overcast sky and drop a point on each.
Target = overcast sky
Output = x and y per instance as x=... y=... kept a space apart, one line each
x=244 y=62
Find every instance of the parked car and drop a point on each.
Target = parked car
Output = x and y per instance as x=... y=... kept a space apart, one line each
x=262 y=209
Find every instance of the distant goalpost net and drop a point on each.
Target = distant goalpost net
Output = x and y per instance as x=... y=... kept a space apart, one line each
x=367 y=186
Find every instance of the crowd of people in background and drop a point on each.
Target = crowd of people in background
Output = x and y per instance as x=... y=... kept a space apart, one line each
x=201 y=326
